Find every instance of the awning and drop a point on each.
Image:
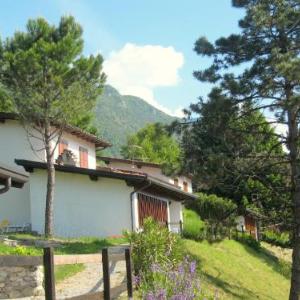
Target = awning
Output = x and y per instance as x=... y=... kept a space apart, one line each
x=11 y=177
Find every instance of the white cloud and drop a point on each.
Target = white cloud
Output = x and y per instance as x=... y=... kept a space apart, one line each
x=279 y=128
x=138 y=70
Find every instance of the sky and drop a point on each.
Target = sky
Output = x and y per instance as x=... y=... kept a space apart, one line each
x=147 y=45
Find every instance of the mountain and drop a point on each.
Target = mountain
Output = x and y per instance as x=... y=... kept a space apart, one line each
x=118 y=116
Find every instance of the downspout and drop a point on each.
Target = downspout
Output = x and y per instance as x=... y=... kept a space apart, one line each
x=131 y=199
x=7 y=186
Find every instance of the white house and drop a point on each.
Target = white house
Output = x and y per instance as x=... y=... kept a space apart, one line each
x=89 y=200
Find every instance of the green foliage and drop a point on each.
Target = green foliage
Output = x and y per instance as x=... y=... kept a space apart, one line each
x=154 y=144
x=214 y=209
x=117 y=116
x=19 y=250
x=44 y=74
x=234 y=159
x=154 y=245
x=193 y=227
x=281 y=239
x=248 y=240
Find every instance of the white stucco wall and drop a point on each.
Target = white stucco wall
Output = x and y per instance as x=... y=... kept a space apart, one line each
x=15 y=144
x=176 y=216
x=15 y=206
x=82 y=207
x=74 y=143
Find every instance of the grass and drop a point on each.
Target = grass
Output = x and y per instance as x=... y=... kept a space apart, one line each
x=193 y=225
x=87 y=245
x=236 y=271
x=65 y=271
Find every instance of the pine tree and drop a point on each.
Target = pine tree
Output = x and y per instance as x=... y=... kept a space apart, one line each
x=49 y=84
x=267 y=50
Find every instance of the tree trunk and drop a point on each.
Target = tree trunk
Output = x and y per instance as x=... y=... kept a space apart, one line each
x=50 y=184
x=295 y=195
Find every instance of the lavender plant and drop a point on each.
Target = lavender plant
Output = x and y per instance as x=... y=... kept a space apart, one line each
x=180 y=283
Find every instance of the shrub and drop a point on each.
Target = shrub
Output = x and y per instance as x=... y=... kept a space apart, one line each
x=281 y=239
x=154 y=245
x=248 y=240
x=170 y=282
x=193 y=227
x=218 y=213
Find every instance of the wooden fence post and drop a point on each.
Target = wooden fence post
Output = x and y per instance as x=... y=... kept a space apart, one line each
x=181 y=228
x=129 y=274
x=48 y=260
x=106 y=274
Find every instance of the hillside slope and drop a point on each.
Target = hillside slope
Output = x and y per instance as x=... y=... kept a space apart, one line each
x=118 y=116
x=234 y=271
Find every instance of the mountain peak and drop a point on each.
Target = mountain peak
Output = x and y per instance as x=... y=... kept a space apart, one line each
x=118 y=116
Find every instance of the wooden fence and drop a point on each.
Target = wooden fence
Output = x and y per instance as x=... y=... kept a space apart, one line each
x=49 y=260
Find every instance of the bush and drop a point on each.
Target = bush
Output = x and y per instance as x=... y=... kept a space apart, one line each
x=193 y=226
x=248 y=240
x=155 y=245
x=172 y=283
x=281 y=239
x=218 y=213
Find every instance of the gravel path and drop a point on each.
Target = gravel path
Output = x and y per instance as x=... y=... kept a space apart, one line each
x=90 y=280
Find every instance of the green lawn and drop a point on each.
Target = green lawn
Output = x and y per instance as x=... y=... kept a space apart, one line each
x=86 y=245
x=236 y=271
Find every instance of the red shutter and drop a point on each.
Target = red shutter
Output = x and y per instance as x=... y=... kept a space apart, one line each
x=149 y=206
x=83 y=157
x=63 y=145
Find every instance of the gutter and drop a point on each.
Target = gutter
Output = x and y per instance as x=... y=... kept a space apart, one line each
x=7 y=186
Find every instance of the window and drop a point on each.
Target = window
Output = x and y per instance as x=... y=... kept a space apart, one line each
x=83 y=157
x=62 y=146
x=185 y=186
x=176 y=181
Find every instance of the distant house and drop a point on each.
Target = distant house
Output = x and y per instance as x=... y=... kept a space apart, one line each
x=248 y=222
x=90 y=200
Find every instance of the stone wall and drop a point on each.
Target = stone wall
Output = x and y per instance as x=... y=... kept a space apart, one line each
x=18 y=282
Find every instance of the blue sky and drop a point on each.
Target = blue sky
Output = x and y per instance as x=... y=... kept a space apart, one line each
x=147 y=45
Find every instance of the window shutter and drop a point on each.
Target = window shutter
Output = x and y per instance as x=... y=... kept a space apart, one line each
x=83 y=157
x=63 y=145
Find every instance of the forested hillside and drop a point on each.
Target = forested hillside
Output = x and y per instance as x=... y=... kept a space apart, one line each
x=118 y=116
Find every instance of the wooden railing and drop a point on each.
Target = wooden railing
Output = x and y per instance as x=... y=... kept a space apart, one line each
x=49 y=260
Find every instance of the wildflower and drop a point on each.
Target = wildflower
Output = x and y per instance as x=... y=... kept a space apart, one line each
x=192 y=267
x=136 y=280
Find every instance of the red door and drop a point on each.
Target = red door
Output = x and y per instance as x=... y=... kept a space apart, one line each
x=150 y=206
x=250 y=225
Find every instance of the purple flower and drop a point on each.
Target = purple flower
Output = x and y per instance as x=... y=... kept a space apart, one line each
x=181 y=269
x=155 y=268
x=161 y=295
x=136 y=280
x=150 y=296
x=192 y=267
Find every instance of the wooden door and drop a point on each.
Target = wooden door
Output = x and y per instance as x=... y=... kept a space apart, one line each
x=150 y=206
x=250 y=225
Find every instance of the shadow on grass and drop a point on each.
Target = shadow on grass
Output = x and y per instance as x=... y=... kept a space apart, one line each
x=278 y=265
x=83 y=247
x=234 y=290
